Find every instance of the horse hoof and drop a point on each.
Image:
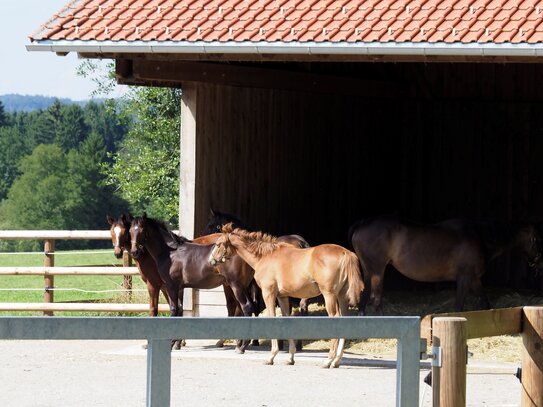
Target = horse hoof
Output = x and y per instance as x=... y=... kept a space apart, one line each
x=290 y=362
x=327 y=364
x=220 y=344
x=334 y=365
x=268 y=362
x=240 y=351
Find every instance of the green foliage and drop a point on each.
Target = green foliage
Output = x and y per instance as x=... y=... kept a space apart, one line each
x=3 y=117
x=51 y=166
x=146 y=167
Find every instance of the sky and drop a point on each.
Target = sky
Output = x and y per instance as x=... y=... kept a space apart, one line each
x=36 y=73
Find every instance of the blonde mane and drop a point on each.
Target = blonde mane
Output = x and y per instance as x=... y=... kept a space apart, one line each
x=259 y=243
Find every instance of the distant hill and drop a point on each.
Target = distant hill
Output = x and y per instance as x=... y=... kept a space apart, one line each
x=26 y=103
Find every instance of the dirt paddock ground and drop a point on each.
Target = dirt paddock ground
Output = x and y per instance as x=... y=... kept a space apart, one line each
x=113 y=373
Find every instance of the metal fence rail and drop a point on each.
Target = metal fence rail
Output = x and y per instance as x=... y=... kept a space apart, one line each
x=160 y=331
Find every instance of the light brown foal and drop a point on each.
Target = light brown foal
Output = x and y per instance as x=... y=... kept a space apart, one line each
x=283 y=271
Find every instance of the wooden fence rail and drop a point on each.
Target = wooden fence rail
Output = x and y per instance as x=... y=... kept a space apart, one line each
x=48 y=271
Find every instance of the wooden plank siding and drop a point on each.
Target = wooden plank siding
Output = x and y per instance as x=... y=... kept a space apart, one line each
x=466 y=141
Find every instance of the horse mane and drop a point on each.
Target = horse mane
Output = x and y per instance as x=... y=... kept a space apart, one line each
x=171 y=238
x=258 y=243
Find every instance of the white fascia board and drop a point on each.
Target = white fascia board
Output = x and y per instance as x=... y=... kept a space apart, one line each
x=291 y=48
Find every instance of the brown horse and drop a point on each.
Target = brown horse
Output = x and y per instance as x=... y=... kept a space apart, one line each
x=454 y=250
x=182 y=263
x=120 y=237
x=284 y=271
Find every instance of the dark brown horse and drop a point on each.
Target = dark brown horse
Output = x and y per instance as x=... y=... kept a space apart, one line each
x=120 y=237
x=182 y=263
x=284 y=271
x=449 y=251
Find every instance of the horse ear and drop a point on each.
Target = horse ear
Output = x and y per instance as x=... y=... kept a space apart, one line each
x=110 y=219
x=129 y=217
x=144 y=216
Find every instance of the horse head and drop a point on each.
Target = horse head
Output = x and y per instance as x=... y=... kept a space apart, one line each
x=222 y=251
x=138 y=235
x=120 y=235
x=529 y=241
x=217 y=219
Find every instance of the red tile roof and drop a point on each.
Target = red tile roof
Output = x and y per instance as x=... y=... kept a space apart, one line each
x=395 y=21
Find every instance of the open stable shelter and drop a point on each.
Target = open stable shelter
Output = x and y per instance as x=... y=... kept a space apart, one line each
x=303 y=116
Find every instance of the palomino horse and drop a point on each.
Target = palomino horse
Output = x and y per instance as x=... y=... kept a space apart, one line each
x=454 y=250
x=217 y=220
x=182 y=263
x=283 y=271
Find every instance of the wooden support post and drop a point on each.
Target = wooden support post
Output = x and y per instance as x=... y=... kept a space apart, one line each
x=532 y=357
x=127 y=279
x=49 y=281
x=187 y=170
x=450 y=347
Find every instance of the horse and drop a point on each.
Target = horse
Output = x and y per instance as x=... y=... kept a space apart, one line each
x=182 y=263
x=448 y=251
x=218 y=219
x=497 y=238
x=120 y=237
x=283 y=271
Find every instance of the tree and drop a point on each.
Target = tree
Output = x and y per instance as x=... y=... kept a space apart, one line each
x=58 y=190
x=146 y=168
x=70 y=128
x=3 y=116
x=11 y=149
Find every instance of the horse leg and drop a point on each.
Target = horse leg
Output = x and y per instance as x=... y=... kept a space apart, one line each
x=462 y=288
x=377 y=293
x=231 y=308
x=153 y=299
x=244 y=301
x=176 y=310
x=331 y=304
x=304 y=311
x=373 y=274
x=269 y=300
x=477 y=290
x=284 y=303
x=340 y=344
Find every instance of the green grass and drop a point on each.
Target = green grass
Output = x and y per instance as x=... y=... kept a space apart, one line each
x=14 y=284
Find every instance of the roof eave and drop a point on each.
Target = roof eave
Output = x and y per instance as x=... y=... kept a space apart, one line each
x=292 y=48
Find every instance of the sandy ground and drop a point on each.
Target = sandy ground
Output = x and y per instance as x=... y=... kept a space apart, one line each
x=112 y=373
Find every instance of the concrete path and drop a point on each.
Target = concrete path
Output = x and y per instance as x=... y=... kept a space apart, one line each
x=112 y=373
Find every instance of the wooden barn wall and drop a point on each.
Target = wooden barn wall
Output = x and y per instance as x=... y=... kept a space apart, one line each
x=467 y=141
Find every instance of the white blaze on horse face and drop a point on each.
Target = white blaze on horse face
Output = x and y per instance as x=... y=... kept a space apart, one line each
x=117 y=230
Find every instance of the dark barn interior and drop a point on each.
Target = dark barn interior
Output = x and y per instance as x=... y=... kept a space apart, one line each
x=314 y=152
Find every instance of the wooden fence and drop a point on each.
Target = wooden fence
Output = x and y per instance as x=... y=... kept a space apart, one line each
x=449 y=334
x=48 y=271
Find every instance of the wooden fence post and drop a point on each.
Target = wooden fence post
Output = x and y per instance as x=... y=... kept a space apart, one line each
x=449 y=368
x=49 y=280
x=127 y=279
x=532 y=357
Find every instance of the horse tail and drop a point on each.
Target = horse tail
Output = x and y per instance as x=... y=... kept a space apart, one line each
x=350 y=266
